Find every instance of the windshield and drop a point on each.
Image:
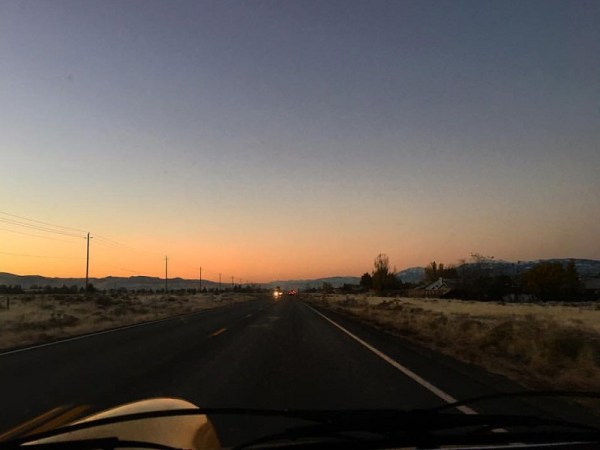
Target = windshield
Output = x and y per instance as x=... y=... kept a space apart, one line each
x=309 y=205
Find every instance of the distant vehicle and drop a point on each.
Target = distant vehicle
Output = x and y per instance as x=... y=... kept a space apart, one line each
x=292 y=292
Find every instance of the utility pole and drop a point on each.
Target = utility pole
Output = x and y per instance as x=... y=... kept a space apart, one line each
x=87 y=263
x=219 y=281
x=200 y=278
x=166 y=272
x=231 y=282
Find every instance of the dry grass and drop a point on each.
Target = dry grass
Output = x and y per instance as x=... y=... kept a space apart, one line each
x=541 y=346
x=39 y=318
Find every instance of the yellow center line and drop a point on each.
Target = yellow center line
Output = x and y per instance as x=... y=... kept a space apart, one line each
x=64 y=418
x=218 y=332
x=31 y=423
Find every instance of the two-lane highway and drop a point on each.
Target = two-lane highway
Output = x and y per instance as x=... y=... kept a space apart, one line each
x=101 y=369
x=259 y=354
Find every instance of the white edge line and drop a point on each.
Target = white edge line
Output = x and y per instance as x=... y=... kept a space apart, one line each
x=98 y=333
x=409 y=373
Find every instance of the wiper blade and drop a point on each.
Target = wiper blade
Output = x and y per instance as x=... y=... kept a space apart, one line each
x=315 y=435
x=522 y=394
x=317 y=439
x=381 y=428
x=319 y=416
x=108 y=443
x=334 y=422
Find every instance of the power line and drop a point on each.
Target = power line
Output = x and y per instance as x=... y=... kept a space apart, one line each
x=46 y=227
x=116 y=244
x=108 y=241
x=38 y=236
x=106 y=244
x=105 y=240
x=41 y=256
x=37 y=227
x=39 y=221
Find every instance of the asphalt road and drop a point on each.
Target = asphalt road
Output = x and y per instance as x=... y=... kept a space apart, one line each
x=258 y=354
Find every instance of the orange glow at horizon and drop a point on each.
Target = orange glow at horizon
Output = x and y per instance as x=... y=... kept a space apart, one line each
x=248 y=259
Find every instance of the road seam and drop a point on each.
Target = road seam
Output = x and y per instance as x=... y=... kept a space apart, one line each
x=409 y=373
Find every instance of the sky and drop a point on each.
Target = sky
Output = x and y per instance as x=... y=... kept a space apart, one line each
x=295 y=139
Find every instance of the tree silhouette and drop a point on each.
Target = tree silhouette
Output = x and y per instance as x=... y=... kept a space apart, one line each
x=382 y=277
x=366 y=280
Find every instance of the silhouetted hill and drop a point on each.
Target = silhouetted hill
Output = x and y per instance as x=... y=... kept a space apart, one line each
x=586 y=268
x=110 y=282
x=411 y=275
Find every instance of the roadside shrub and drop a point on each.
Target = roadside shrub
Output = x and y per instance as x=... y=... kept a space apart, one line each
x=439 y=321
x=102 y=317
x=565 y=344
x=104 y=301
x=470 y=326
x=58 y=320
x=48 y=306
x=594 y=346
x=63 y=320
x=498 y=336
x=121 y=310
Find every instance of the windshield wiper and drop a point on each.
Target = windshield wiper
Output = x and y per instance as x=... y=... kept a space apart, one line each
x=106 y=443
x=512 y=395
x=425 y=426
x=382 y=428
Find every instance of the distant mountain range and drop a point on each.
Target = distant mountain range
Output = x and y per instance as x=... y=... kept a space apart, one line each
x=585 y=267
x=137 y=282
x=411 y=275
